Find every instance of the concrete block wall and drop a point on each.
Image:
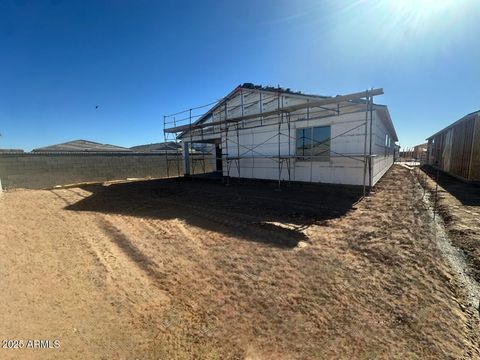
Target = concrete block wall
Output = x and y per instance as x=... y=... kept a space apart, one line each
x=38 y=171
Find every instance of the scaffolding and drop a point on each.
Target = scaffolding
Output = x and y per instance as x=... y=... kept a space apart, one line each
x=173 y=160
x=194 y=125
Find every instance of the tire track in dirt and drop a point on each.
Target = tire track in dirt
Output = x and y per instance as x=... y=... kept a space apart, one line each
x=151 y=240
x=126 y=270
x=251 y=226
x=131 y=273
x=59 y=288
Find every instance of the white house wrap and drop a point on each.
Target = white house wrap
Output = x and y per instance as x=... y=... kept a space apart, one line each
x=270 y=133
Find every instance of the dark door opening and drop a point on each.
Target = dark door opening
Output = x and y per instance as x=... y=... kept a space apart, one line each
x=218 y=157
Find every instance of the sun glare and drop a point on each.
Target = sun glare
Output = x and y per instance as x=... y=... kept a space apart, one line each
x=430 y=6
x=415 y=28
x=418 y=17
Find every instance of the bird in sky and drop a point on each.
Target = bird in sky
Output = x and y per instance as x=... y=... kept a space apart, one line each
x=96 y=107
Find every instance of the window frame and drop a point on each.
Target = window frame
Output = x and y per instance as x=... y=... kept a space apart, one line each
x=307 y=151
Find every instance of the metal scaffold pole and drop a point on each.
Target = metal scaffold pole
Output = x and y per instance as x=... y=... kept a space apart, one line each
x=190 y=147
x=280 y=118
x=365 y=150
x=165 y=140
x=203 y=157
x=178 y=156
x=370 y=109
x=238 y=151
x=279 y=155
x=289 y=150
x=226 y=145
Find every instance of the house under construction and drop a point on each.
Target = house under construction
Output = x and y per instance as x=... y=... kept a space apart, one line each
x=273 y=133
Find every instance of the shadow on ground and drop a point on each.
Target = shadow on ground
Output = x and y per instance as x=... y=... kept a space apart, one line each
x=251 y=210
x=467 y=193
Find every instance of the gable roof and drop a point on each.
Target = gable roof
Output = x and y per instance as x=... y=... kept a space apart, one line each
x=11 y=151
x=255 y=88
x=81 y=146
x=383 y=110
x=161 y=147
x=466 y=117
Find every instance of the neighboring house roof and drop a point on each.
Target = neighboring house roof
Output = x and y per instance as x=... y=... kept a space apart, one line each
x=11 y=151
x=383 y=110
x=466 y=117
x=160 y=147
x=420 y=146
x=81 y=146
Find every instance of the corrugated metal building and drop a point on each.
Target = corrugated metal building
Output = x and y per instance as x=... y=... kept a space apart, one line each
x=456 y=149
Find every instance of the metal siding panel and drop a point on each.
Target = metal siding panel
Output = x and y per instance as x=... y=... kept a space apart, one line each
x=469 y=131
x=457 y=146
x=462 y=148
x=447 y=151
x=475 y=157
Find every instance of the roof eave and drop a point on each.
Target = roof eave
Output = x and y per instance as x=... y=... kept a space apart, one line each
x=464 y=118
x=384 y=108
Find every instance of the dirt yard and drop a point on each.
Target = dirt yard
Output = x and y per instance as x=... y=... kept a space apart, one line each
x=181 y=269
x=458 y=203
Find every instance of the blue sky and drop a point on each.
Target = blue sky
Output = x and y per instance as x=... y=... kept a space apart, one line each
x=139 y=60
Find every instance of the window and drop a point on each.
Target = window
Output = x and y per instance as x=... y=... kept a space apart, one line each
x=314 y=142
x=387 y=144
